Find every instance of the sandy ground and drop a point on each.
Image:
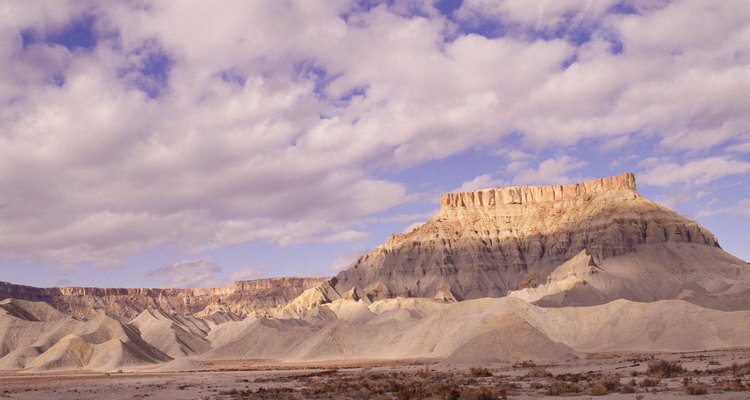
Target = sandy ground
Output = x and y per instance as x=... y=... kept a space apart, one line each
x=720 y=374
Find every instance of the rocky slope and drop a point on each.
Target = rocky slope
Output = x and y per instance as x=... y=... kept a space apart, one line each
x=260 y=296
x=490 y=242
x=33 y=335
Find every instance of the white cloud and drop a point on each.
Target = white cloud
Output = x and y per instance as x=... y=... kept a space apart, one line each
x=740 y=147
x=484 y=181
x=696 y=172
x=744 y=206
x=187 y=274
x=235 y=148
x=346 y=236
x=545 y=15
x=552 y=171
x=741 y=208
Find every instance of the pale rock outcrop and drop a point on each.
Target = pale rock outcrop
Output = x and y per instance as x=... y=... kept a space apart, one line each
x=487 y=243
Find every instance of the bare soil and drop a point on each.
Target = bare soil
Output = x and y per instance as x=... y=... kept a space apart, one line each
x=714 y=374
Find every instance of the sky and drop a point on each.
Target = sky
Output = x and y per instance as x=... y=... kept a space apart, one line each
x=192 y=143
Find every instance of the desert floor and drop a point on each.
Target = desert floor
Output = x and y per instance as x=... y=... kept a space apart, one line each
x=714 y=374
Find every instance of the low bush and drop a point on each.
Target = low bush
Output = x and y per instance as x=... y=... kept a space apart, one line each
x=696 y=389
x=480 y=372
x=477 y=394
x=560 y=388
x=611 y=382
x=649 y=382
x=599 y=390
x=664 y=369
x=538 y=373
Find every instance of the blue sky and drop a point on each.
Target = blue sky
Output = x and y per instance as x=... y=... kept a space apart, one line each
x=193 y=144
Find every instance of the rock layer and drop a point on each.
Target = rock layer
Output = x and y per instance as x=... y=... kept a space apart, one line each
x=245 y=297
x=486 y=243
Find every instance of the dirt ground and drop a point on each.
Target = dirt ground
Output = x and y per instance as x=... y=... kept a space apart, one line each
x=716 y=374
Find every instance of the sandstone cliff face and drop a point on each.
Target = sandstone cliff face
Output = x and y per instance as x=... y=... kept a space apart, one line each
x=486 y=243
x=245 y=297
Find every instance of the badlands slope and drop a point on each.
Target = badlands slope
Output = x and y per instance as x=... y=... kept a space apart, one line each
x=507 y=274
x=36 y=336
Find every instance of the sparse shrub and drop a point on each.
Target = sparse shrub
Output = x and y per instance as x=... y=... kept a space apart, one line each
x=735 y=385
x=524 y=364
x=560 y=388
x=611 y=382
x=664 y=369
x=408 y=393
x=696 y=389
x=477 y=394
x=536 y=385
x=649 y=382
x=538 y=373
x=605 y=385
x=575 y=378
x=599 y=390
x=479 y=372
x=741 y=370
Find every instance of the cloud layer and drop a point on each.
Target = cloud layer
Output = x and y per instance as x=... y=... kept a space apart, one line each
x=135 y=124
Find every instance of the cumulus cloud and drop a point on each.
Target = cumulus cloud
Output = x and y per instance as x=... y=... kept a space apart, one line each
x=187 y=274
x=541 y=16
x=484 y=181
x=281 y=122
x=198 y=274
x=552 y=171
x=741 y=208
x=346 y=236
x=695 y=172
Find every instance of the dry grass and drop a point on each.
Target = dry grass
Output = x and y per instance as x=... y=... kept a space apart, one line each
x=602 y=376
x=665 y=369
x=395 y=385
x=480 y=372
